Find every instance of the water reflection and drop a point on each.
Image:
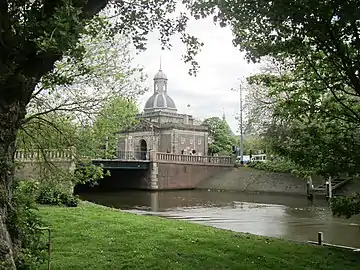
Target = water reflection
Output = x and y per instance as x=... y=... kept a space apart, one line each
x=290 y=217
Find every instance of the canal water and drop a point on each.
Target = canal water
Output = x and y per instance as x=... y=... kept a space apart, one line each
x=283 y=216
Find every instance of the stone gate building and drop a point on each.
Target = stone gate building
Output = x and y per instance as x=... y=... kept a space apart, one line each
x=162 y=128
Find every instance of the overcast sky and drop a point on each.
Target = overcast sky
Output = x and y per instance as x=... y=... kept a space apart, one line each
x=221 y=67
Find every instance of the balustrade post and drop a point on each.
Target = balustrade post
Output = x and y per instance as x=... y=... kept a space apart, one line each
x=152 y=155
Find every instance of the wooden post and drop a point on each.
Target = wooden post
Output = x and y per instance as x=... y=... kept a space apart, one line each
x=309 y=189
x=330 y=187
x=320 y=238
x=327 y=189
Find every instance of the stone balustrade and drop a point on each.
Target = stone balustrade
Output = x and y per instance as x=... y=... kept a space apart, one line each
x=193 y=158
x=24 y=155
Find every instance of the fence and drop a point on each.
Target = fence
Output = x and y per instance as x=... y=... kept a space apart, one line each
x=132 y=155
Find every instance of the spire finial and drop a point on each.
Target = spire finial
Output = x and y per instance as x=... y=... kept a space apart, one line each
x=223 y=114
x=160 y=62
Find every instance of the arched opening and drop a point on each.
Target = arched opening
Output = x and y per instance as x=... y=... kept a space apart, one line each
x=143 y=150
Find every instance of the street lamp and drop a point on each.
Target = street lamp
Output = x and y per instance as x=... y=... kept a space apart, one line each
x=241 y=127
x=241 y=150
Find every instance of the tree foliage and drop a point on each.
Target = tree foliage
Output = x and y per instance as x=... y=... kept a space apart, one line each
x=34 y=35
x=322 y=36
x=115 y=115
x=314 y=105
x=221 y=139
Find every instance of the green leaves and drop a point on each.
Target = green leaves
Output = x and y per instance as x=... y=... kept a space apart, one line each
x=346 y=206
x=115 y=115
x=221 y=138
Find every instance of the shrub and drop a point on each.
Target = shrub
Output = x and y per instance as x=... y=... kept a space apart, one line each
x=282 y=166
x=53 y=194
x=69 y=200
x=23 y=222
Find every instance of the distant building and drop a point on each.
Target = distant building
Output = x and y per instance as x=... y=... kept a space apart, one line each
x=162 y=128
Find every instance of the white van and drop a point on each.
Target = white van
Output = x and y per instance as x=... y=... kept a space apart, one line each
x=258 y=158
x=246 y=159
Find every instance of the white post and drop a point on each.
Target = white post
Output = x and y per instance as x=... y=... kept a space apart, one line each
x=320 y=238
x=330 y=188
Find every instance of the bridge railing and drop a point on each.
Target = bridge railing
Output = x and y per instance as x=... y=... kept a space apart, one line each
x=23 y=155
x=193 y=158
x=132 y=155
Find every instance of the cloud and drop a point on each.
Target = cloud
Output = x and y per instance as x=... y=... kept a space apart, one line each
x=221 y=66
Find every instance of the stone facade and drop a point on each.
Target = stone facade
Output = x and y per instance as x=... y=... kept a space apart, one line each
x=162 y=129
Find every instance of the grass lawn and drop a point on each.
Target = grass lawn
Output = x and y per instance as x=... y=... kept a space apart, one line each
x=96 y=237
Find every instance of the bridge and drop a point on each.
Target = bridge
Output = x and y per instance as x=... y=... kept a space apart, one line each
x=163 y=170
x=144 y=170
x=141 y=160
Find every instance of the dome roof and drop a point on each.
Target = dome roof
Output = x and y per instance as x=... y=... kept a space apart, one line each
x=160 y=75
x=160 y=101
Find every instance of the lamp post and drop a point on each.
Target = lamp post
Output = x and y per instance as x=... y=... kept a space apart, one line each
x=240 y=152
x=241 y=127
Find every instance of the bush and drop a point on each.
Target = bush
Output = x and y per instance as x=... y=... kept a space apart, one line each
x=346 y=206
x=52 y=194
x=282 y=166
x=23 y=222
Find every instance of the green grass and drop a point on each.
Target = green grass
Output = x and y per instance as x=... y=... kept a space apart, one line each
x=96 y=237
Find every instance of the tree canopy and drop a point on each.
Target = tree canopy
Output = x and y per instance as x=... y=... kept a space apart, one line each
x=221 y=138
x=313 y=109
x=320 y=37
x=34 y=36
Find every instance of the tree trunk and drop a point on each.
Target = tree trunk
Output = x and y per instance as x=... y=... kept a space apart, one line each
x=11 y=115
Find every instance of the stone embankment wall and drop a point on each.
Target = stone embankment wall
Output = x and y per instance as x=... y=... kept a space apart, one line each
x=248 y=179
x=32 y=170
x=185 y=176
x=171 y=171
x=30 y=163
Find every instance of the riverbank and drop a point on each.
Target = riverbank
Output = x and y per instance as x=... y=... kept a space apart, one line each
x=253 y=180
x=248 y=179
x=96 y=237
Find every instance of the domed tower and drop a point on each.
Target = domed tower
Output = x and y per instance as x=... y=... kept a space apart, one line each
x=160 y=100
